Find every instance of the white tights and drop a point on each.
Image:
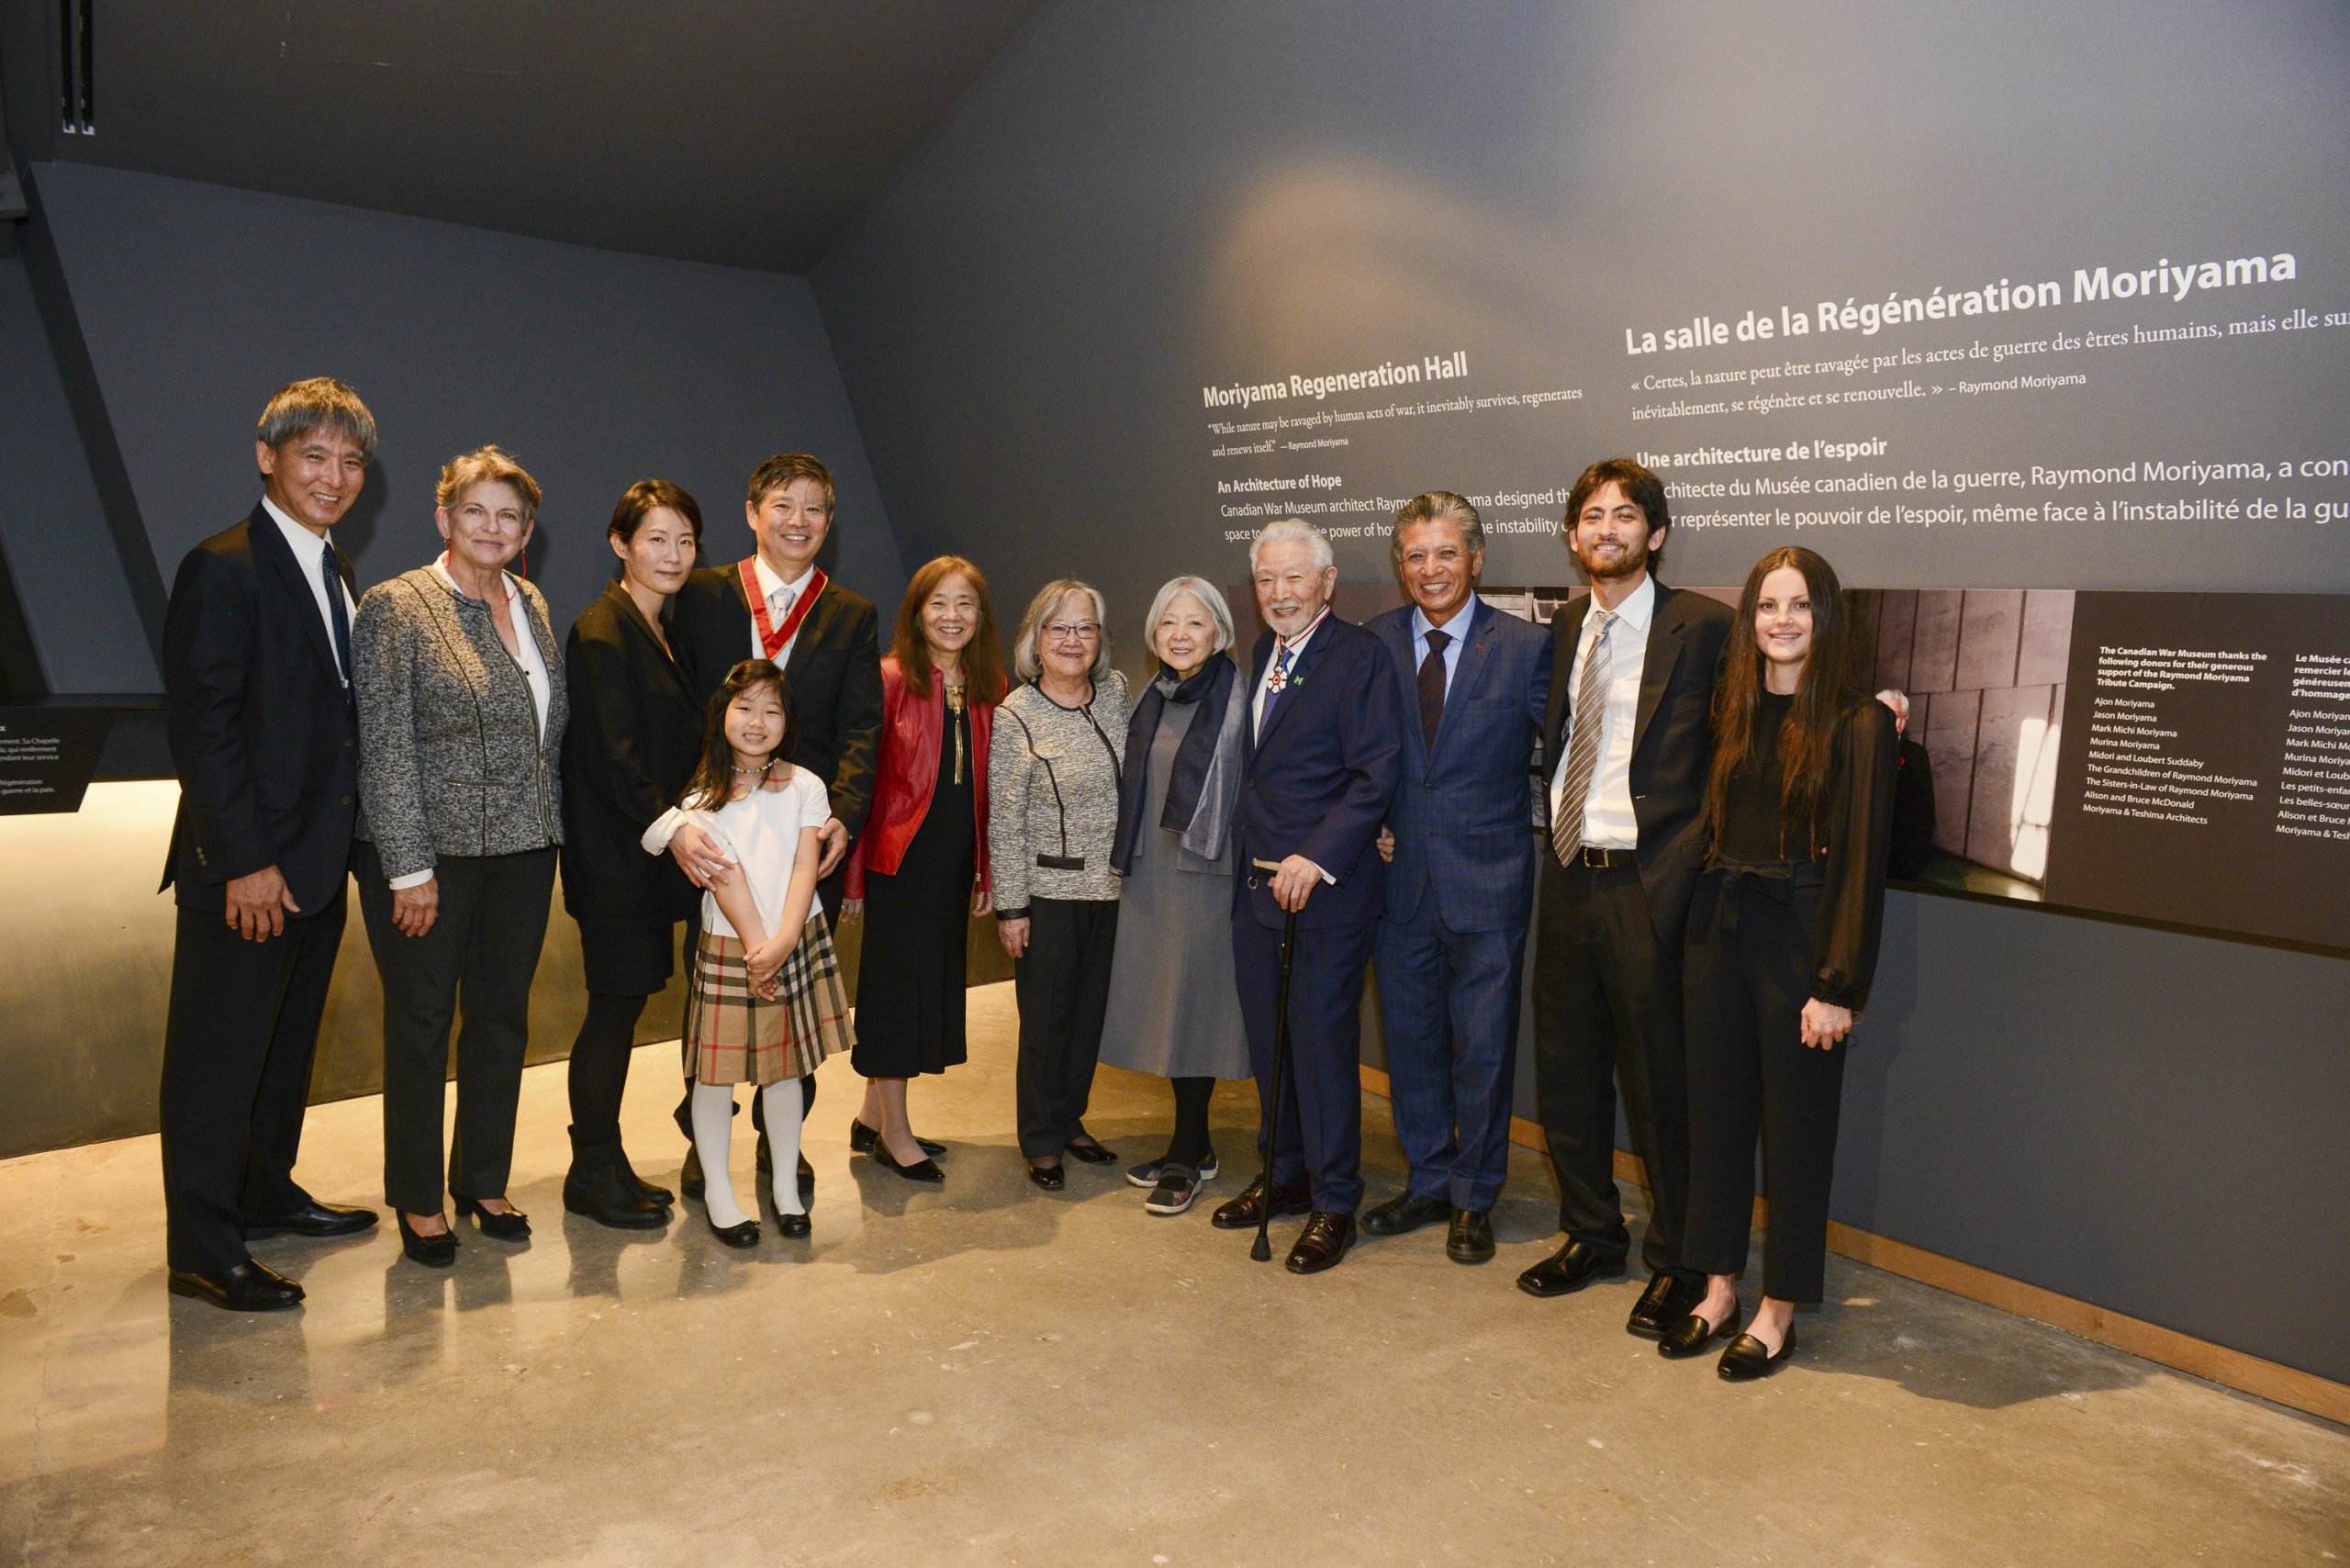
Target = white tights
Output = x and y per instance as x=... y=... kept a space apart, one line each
x=714 y=1117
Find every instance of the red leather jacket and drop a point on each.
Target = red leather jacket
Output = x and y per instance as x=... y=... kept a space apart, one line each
x=905 y=772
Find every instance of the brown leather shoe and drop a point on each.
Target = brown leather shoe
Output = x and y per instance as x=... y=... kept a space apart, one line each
x=1324 y=1241
x=1240 y=1214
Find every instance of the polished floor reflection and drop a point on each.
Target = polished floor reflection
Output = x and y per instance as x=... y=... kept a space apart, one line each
x=989 y=1374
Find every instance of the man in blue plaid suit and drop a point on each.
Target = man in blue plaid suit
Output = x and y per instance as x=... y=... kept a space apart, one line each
x=1450 y=950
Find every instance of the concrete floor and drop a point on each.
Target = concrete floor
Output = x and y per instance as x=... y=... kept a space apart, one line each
x=990 y=1374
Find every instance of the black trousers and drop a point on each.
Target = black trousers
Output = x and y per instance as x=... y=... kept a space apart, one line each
x=1749 y=976
x=1063 y=986
x=238 y=1043
x=482 y=952
x=1607 y=1010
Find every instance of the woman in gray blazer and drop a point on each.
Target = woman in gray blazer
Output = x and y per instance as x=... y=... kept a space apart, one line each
x=459 y=682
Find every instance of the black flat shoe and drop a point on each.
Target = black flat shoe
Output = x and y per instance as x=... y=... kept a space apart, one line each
x=793 y=1226
x=511 y=1225
x=1692 y=1335
x=244 y=1287
x=1570 y=1268
x=1051 y=1178
x=861 y=1139
x=923 y=1169
x=433 y=1251
x=1403 y=1213
x=313 y=1218
x=1746 y=1360
x=737 y=1236
x=1469 y=1238
x=1089 y=1153
x=1668 y=1299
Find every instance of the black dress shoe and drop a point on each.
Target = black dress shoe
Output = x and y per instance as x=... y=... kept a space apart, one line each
x=313 y=1218
x=1471 y=1239
x=805 y=1175
x=603 y=1193
x=690 y=1183
x=511 y=1225
x=861 y=1139
x=1746 y=1360
x=793 y=1226
x=1692 y=1334
x=1052 y=1178
x=1668 y=1299
x=737 y=1236
x=433 y=1251
x=1089 y=1153
x=243 y=1287
x=1324 y=1241
x=923 y=1169
x=1570 y=1268
x=1241 y=1212
x=1404 y=1212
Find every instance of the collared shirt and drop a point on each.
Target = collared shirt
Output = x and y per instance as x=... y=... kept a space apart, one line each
x=780 y=595
x=1608 y=822
x=1257 y=704
x=309 y=549
x=1457 y=628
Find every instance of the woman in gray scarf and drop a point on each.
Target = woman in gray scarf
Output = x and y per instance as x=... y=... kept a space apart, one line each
x=1174 y=1009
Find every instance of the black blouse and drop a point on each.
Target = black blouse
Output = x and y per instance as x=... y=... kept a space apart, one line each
x=1851 y=833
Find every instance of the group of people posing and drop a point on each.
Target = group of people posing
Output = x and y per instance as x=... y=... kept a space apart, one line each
x=1690 y=806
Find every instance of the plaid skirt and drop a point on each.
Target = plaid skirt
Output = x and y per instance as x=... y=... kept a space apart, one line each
x=734 y=1036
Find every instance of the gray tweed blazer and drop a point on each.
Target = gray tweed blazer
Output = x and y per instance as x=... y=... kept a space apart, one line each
x=451 y=759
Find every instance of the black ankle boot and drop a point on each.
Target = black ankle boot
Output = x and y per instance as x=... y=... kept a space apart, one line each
x=597 y=1189
x=651 y=1191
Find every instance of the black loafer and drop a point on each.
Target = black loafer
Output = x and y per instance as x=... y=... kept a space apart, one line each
x=1052 y=1178
x=1324 y=1241
x=243 y=1287
x=1668 y=1299
x=1746 y=1360
x=433 y=1251
x=737 y=1236
x=1089 y=1153
x=792 y=1226
x=923 y=1169
x=313 y=1218
x=1240 y=1212
x=1403 y=1213
x=1570 y=1268
x=1691 y=1335
x=511 y=1225
x=861 y=1139
x=1471 y=1238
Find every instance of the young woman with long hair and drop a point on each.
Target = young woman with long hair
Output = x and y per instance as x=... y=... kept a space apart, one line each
x=1781 y=947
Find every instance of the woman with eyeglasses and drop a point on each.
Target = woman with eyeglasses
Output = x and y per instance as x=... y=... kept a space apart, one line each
x=1053 y=765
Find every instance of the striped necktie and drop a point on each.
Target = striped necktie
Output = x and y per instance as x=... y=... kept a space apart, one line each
x=1582 y=744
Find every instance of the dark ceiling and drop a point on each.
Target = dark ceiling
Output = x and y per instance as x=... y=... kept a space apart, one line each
x=746 y=133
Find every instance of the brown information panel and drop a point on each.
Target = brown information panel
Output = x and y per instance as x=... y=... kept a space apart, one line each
x=2204 y=777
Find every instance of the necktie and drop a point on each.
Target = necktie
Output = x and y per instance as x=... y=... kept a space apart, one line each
x=1582 y=744
x=338 y=612
x=1274 y=687
x=1432 y=686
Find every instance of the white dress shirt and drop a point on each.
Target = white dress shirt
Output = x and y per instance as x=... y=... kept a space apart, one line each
x=1457 y=628
x=311 y=549
x=1608 y=822
x=780 y=597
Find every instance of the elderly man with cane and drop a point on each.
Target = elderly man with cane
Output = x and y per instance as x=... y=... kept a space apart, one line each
x=1324 y=746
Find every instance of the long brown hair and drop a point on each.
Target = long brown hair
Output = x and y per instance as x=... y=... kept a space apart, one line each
x=713 y=779
x=1807 y=740
x=982 y=655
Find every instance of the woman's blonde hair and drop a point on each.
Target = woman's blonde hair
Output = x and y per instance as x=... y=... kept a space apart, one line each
x=488 y=465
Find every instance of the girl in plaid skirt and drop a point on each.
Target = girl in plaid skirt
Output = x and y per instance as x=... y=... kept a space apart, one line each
x=766 y=1002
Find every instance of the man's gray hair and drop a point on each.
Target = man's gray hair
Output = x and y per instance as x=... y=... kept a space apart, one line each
x=1026 y=661
x=320 y=403
x=1210 y=600
x=1439 y=505
x=1293 y=529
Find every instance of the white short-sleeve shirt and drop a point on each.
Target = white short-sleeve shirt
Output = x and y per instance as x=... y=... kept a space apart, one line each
x=761 y=831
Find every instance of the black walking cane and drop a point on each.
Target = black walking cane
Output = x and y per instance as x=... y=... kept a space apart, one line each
x=1261 y=1249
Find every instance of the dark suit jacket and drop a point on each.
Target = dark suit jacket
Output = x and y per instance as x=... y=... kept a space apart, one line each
x=834 y=672
x=635 y=737
x=262 y=735
x=1672 y=740
x=1463 y=813
x=1319 y=781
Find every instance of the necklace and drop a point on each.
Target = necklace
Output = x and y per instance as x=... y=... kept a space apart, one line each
x=766 y=770
x=955 y=708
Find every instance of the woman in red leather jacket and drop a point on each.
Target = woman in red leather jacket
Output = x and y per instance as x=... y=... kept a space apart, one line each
x=920 y=869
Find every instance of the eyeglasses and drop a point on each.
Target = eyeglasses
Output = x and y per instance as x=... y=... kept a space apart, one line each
x=1072 y=631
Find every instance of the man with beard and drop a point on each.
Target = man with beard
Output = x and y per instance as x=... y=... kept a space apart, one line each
x=1450 y=948
x=1628 y=742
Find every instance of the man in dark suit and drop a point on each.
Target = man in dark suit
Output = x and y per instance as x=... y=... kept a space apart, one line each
x=264 y=738
x=1450 y=948
x=1325 y=740
x=1628 y=742
x=778 y=604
